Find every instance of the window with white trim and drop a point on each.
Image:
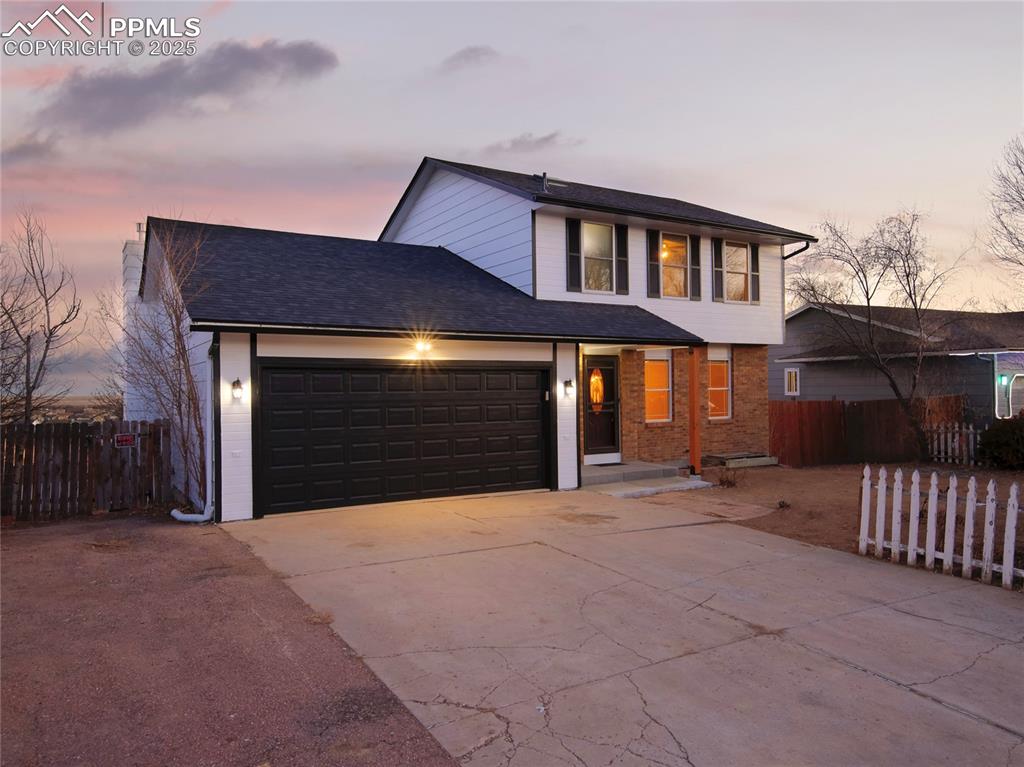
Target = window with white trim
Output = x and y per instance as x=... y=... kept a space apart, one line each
x=792 y=382
x=598 y=257
x=737 y=272
x=719 y=381
x=658 y=386
x=675 y=265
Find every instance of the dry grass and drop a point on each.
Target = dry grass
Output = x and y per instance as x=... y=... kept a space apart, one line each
x=322 y=618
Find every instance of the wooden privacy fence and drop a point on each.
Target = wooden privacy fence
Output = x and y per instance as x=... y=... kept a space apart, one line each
x=814 y=433
x=954 y=443
x=55 y=470
x=998 y=552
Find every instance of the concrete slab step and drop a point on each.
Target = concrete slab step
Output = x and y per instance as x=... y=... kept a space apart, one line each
x=627 y=472
x=645 y=487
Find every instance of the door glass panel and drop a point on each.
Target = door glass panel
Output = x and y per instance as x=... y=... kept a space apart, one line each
x=596 y=390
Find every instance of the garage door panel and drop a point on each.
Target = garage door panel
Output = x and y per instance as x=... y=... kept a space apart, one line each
x=335 y=437
x=366 y=417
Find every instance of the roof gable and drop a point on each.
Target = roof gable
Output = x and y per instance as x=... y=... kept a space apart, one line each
x=542 y=189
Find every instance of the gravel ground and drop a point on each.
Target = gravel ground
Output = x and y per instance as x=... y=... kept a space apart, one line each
x=823 y=502
x=138 y=641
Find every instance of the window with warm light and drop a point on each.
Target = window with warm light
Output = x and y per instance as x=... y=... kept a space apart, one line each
x=657 y=389
x=792 y=382
x=719 y=382
x=598 y=257
x=674 y=265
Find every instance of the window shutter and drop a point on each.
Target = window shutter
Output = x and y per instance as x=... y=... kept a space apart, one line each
x=621 y=259
x=573 y=257
x=653 y=263
x=717 y=270
x=695 y=267
x=755 y=274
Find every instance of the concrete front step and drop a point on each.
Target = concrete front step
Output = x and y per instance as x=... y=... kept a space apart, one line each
x=627 y=472
x=645 y=487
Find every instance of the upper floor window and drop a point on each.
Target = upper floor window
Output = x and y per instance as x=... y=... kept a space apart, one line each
x=598 y=257
x=674 y=265
x=737 y=272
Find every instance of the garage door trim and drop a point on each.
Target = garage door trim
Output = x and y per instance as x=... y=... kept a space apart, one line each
x=259 y=364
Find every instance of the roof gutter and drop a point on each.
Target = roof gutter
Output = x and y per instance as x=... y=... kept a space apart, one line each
x=249 y=327
x=781 y=233
x=798 y=251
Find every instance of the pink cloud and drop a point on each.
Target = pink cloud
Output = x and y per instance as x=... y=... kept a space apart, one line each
x=34 y=77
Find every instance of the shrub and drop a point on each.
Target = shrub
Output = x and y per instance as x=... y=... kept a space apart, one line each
x=1002 y=444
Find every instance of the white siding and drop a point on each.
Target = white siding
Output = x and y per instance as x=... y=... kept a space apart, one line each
x=711 y=320
x=567 y=416
x=142 y=404
x=485 y=225
x=349 y=347
x=235 y=429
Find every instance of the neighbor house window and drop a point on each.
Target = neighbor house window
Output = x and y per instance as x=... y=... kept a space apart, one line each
x=674 y=265
x=737 y=272
x=792 y=382
x=658 y=386
x=719 y=381
x=598 y=257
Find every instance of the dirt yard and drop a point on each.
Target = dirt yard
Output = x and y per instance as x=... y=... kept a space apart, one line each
x=822 y=503
x=143 y=641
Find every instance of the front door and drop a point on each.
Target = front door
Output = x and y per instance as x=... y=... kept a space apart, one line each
x=601 y=409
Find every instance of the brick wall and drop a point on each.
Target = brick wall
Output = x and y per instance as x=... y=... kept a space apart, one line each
x=747 y=430
x=642 y=441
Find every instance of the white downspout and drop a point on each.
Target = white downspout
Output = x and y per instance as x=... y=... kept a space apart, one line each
x=207 y=514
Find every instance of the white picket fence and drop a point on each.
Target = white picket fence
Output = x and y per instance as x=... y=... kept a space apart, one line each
x=888 y=517
x=954 y=443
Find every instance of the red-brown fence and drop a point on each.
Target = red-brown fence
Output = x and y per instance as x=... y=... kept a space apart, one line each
x=814 y=433
x=57 y=470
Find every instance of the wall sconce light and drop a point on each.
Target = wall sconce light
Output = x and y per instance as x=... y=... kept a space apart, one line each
x=236 y=389
x=568 y=387
x=1003 y=379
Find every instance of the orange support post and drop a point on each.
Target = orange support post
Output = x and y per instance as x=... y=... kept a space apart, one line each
x=695 y=394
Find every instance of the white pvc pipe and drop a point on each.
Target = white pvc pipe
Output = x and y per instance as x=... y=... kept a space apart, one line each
x=206 y=516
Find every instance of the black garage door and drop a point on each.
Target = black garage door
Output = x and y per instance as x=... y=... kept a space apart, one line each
x=336 y=436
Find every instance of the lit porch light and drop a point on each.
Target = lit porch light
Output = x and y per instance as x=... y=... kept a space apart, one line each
x=567 y=387
x=236 y=389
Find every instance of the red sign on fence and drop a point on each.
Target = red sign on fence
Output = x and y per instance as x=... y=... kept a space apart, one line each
x=125 y=440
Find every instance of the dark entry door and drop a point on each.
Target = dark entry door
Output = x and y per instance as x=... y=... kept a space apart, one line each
x=336 y=436
x=601 y=405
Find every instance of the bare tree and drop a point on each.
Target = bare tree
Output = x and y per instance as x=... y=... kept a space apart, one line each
x=851 y=280
x=1007 y=209
x=153 y=353
x=39 y=311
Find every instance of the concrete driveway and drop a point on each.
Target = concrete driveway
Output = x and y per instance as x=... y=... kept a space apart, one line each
x=580 y=629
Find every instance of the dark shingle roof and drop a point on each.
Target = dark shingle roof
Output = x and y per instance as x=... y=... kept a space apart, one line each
x=579 y=195
x=260 y=277
x=949 y=330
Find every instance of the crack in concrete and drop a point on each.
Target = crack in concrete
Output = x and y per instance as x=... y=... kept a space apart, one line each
x=410 y=559
x=683 y=752
x=908 y=687
x=968 y=667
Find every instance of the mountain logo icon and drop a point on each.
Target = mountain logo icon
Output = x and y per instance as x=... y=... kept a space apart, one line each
x=70 y=20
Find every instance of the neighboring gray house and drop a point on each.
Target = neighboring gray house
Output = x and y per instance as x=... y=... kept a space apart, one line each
x=979 y=354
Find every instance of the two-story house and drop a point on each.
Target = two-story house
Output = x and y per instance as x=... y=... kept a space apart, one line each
x=505 y=332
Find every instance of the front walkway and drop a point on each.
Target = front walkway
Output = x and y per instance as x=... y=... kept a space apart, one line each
x=581 y=629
